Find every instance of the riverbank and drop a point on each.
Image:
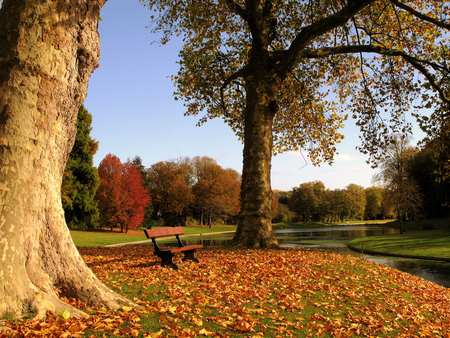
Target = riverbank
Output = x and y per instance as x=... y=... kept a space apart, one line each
x=428 y=239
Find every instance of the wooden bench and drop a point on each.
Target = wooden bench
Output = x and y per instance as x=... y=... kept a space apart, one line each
x=167 y=254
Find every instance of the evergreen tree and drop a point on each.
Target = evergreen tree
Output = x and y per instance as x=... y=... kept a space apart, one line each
x=80 y=181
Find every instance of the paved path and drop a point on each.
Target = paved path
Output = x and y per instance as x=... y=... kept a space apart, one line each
x=182 y=236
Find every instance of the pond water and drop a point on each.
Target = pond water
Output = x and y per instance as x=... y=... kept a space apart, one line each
x=336 y=239
x=438 y=272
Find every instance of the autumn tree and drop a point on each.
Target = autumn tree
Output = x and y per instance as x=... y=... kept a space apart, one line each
x=137 y=197
x=171 y=195
x=216 y=190
x=80 y=180
x=283 y=73
x=148 y=210
x=121 y=196
x=48 y=50
x=395 y=176
x=110 y=193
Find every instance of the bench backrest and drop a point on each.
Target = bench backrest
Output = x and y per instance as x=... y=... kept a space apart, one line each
x=161 y=232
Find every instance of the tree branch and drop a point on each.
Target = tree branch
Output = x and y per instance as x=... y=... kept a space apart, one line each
x=420 y=15
x=417 y=63
x=228 y=81
x=237 y=9
x=307 y=34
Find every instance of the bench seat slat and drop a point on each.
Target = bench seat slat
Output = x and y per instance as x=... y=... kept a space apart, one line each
x=161 y=232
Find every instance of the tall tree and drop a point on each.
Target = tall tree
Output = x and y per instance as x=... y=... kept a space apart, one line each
x=137 y=196
x=48 y=49
x=148 y=210
x=305 y=202
x=216 y=191
x=80 y=180
x=395 y=175
x=111 y=193
x=267 y=68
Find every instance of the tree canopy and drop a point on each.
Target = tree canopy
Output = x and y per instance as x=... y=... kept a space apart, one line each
x=285 y=74
x=325 y=58
x=396 y=177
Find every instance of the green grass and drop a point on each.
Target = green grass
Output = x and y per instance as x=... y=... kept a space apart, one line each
x=101 y=238
x=424 y=244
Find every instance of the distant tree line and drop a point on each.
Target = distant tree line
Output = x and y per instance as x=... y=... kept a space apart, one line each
x=312 y=202
x=410 y=184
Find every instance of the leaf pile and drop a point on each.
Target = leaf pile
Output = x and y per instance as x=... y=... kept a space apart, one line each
x=255 y=293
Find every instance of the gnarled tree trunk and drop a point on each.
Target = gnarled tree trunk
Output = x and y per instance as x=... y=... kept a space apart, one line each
x=48 y=50
x=255 y=220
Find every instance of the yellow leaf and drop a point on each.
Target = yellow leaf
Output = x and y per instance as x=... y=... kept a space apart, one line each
x=64 y=314
x=156 y=334
x=205 y=332
x=127 y=308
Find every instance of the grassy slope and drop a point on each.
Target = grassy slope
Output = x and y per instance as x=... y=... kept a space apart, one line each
x=434 y=242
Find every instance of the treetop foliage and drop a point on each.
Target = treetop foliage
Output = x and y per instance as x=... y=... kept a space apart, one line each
x=198 y=187
x=374 y=58
x=121 y=195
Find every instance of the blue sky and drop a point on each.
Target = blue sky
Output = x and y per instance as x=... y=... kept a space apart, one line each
x=130 y=97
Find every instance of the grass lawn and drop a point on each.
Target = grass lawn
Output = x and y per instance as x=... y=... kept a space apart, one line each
x=431 y=243
x=254 y=293
x=426 y=244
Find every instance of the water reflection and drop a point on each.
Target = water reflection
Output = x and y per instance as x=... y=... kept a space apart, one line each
x=336 y=239
x=333 y=233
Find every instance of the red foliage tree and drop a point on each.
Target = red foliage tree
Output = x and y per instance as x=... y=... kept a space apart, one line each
x=121 y=196
x=137 y=195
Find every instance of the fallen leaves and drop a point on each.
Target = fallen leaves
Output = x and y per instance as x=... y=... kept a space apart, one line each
x=254 y=293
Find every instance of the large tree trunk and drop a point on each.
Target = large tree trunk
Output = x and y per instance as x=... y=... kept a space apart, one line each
x=48 y=49
x=255 y=221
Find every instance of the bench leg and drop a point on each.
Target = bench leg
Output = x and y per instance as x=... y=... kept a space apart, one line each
x=167 y=260
x=190 y=255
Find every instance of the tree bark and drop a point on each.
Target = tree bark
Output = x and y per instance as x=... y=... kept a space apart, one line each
x=255 y=220
x=48 y=50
